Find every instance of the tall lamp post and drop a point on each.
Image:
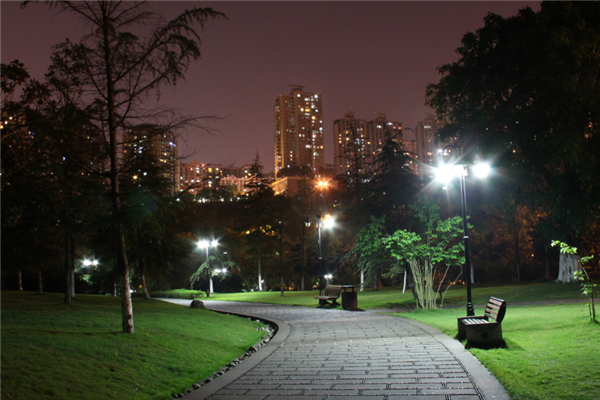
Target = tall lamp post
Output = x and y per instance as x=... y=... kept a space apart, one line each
x=444 y=174
x=327 y=222
x=205 y=244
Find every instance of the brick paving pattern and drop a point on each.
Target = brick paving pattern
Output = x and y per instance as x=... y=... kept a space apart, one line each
x=337 y=354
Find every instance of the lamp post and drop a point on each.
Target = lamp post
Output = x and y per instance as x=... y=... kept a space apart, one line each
x=205 y=244
x=445 y=173
x=327 y=223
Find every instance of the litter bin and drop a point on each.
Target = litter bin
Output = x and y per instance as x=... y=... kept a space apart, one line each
x=349 y=299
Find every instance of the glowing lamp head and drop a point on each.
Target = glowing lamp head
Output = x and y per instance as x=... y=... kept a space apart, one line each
x=445 y=173
x=481 y=170
x=328 y=222
x=323 y=184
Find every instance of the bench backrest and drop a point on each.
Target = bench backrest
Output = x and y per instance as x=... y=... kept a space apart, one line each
x=495 y=309
x=332 y=290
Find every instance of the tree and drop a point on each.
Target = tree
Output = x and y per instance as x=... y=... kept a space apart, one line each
x=258 y=221
x=109 y=75
x=46 y=196
x=588 y=288
x=525 y=90
x=393 y=185
x=352 y=183
x=370 y=254
x=208 y=268
x=426 y=254
x=155 y=247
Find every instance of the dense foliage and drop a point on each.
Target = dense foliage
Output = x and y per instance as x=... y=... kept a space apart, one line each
x=525 y=92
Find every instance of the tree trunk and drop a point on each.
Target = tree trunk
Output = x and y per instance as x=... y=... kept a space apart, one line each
x=304 y=256
x=122 y=264
x=422 y=274
x=260 y=287
x=126 y=304
x=472 y=266
x=568 y=264
x=72 y=268
x=144 y=286
x=281 y=262
x=39 y=273
x=67 y=270
x=362 y=280
x=20 y=281
x=546 y=263
x=517 y=258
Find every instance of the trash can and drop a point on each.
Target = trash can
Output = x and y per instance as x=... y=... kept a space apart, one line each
x=349 y=300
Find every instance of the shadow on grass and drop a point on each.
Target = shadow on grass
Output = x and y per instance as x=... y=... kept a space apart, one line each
x=336 y=306
x=501 y=345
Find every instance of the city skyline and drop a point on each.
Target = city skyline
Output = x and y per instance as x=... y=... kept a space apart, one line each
x=366 y=57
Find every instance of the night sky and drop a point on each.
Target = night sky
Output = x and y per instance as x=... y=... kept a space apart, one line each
x=361 y=56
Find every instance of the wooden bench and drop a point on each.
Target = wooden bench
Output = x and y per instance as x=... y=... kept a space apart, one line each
x=484 y=331
x=331 y=293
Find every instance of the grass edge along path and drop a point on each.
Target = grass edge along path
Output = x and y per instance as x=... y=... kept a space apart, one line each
x=55 y=351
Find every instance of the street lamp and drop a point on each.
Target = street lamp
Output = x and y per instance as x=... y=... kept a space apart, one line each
x=327 y=222
x=205 y=244
x=87 y=263
x=322 y=184
x=444 y=174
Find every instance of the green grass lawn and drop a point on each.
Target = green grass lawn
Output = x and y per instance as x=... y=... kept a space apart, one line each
x=553 y=351
x=55 y=351
x=394 y=298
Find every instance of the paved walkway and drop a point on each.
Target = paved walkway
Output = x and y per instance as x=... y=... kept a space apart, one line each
x=320 y=354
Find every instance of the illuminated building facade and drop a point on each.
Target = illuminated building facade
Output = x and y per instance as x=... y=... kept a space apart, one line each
x=195 y=176
x=298 y=122
x=159 y=142
x=357 y=141
x=377 y=131
x=351 y=144
x=426 y=134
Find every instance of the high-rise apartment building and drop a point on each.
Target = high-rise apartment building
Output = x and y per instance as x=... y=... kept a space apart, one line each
x=378 y=130
x=357 y=141
x=159 y=142
x=410 y=147
x=427 y=146
x=351 y=145
x=195 y=176
x=298 y=120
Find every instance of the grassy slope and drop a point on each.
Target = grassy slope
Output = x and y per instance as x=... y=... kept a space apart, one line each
x=54 y=351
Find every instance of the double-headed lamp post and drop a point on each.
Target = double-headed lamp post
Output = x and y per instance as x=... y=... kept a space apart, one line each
x=205 y=244
x=326 y=222
x=444 y=174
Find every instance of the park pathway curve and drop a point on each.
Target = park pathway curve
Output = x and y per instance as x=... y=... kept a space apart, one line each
x=320 y=354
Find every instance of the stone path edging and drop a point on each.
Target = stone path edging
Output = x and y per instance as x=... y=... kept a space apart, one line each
x=242 y=368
